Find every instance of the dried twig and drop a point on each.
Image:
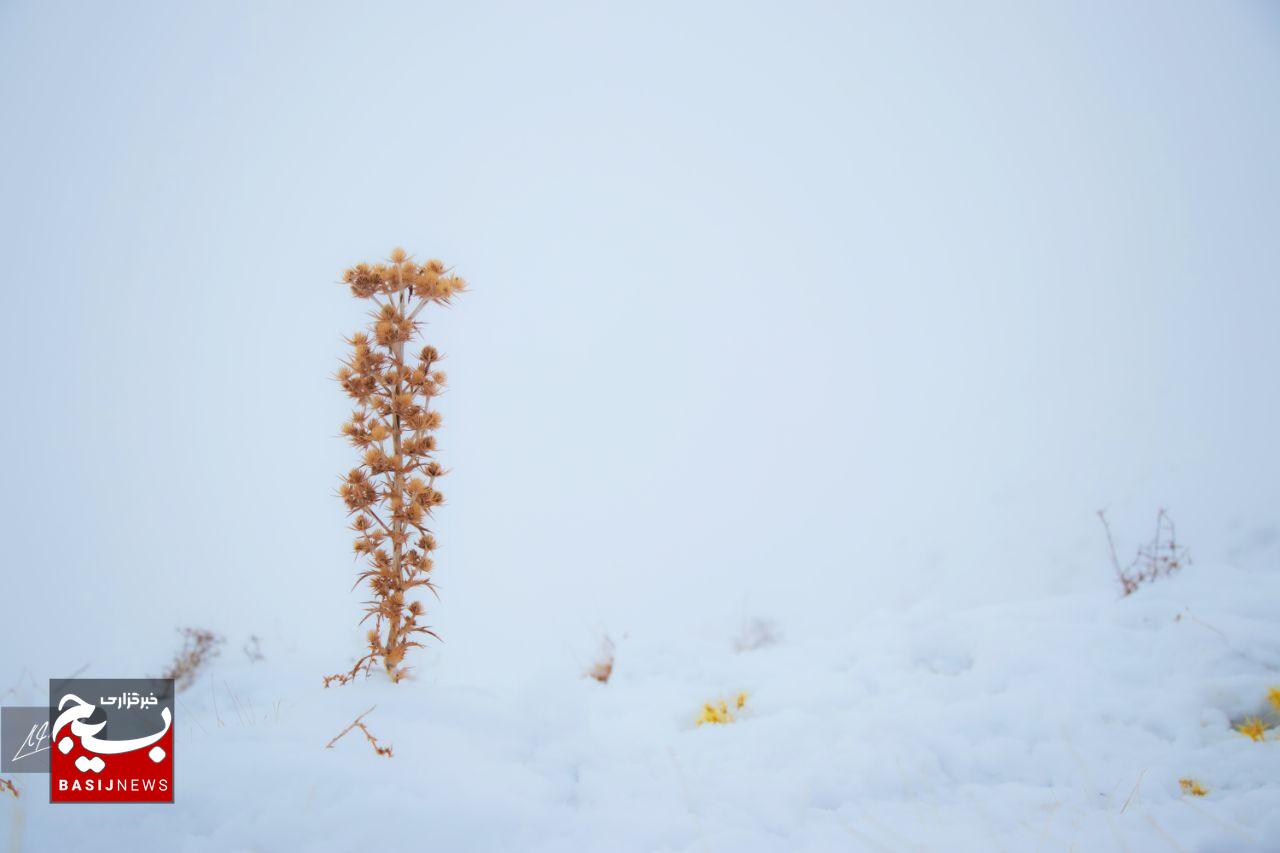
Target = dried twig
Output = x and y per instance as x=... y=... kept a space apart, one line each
x=245 y=716
x=358 y=724
x=214 y=692
x=341 y=678
x=1136 y=785
x=6 y=785
x=1111 y=547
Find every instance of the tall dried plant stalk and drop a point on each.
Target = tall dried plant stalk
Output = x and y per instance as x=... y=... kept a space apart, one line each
x=392 y=493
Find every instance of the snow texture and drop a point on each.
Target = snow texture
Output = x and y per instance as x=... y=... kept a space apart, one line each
x=1050 y=724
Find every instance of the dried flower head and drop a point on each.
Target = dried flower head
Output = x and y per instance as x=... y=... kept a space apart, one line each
x=1253 y=728
x=718 y=712
x=1192 y=788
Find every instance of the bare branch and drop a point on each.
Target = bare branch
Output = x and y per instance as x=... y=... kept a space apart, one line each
x=358 y=724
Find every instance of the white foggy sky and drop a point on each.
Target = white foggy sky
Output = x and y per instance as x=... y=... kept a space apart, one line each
x=797 y=308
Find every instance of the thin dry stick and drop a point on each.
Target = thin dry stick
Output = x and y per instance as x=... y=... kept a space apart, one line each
x=214 y=692
x=357 y=724
x=1136 y=786
x=1115 y=559
x=6 y=785
x=241 y=714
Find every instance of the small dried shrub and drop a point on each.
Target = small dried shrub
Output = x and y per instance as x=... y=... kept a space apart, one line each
x=198 y=648
x=717 y=712
x=602 y=667
x=392 y=492
x=1160 y=557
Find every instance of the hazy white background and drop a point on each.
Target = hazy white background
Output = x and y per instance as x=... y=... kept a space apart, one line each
x=794 y=309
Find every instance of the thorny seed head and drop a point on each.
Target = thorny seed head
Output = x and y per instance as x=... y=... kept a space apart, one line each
x=357 y=492
x=363 y=280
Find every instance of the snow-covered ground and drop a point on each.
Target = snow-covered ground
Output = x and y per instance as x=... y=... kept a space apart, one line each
x=1061 y=723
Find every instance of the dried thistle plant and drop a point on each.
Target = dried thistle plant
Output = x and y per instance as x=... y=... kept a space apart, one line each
x=392 y=492
x=358 y=723
x=198 y=648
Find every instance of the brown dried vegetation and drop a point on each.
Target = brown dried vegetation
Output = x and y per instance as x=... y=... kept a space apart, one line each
x=6 y=785
x=1160 y=557
x=358 y=723
x=198 y=648
x=392 y=493
x=602 y=667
